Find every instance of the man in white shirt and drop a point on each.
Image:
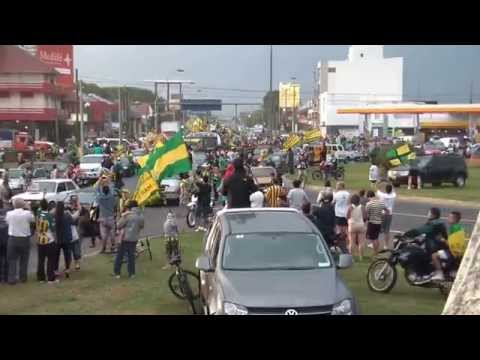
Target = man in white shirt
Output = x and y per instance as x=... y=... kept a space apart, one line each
x=388 y=197
x=257 y=199
x=373 y=175
x=297 y=197
x=340 y=200
x=18 y=247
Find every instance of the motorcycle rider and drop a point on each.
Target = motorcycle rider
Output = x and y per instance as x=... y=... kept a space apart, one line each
x=436 y=237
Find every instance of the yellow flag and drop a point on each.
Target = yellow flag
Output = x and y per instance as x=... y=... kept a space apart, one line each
x=402 y=150
x=142 y=160
x=412 y=156
x=395 y=162
x=146 y=187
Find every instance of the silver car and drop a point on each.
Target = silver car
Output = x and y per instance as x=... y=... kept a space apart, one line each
x=271 y=262
x=171 y=190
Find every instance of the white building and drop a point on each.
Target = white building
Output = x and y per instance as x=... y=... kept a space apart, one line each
x=365 y=78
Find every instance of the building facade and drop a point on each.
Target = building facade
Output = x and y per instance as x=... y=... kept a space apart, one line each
x=366 y=77
x=30 y=99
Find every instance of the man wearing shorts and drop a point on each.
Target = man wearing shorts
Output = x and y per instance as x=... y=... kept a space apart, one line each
x=340 y=200
x=388 y=197
x=375 y=209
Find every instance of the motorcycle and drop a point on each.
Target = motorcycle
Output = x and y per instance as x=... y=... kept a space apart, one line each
x=416 y=263
x=192 y=212
x=335 y=170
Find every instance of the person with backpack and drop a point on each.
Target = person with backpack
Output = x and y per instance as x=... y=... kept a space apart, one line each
x=130 y=225
x=63 y=231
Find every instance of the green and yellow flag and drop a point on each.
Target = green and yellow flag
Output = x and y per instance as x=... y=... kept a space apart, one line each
x=312 y=135
x=168 y=160
x=291 y=142
x=146 y=187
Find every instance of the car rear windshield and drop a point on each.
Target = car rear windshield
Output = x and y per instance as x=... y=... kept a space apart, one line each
x=274 y=251
x=15 y=174
x=91 y=159
x=263 y=172
x=48 y=187
x=265 y=221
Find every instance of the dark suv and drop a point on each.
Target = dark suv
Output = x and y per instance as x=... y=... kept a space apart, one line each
x=434 y=169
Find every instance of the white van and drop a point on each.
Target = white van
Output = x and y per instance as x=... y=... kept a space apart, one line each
x=338 y=150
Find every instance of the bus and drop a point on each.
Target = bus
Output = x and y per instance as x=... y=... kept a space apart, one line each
x=203 y=141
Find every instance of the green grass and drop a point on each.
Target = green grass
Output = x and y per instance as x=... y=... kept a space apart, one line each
x=356 y=178
x=94 y=291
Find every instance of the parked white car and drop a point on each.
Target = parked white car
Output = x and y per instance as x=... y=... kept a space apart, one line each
x=53 y=190
x=171 y=190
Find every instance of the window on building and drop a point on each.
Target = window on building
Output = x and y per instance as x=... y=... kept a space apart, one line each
x=361 y=55
x=26 y=94
x=4 y=94
x=332 y=70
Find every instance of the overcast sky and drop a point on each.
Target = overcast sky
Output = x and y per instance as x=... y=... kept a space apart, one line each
x=442 y=73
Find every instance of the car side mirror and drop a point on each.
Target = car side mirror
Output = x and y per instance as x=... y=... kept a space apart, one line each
x=344 y=261
x=203 y=263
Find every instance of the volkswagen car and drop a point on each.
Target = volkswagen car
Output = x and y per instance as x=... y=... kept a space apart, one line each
x=271 y=262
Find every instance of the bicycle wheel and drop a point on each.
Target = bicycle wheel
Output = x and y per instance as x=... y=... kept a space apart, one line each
x=317 y=175
x=187 y=290
x=191 y=219
x=149 y=249
x=177 y=289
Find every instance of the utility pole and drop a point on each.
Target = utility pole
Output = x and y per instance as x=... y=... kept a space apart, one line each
x=120 y=114
x=155 y=111
x=271 y=118
x=81 y=118
x=77 y=107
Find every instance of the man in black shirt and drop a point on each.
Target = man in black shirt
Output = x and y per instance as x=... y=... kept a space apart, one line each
x=204 y=194
x=325 y=218
x=238 y=187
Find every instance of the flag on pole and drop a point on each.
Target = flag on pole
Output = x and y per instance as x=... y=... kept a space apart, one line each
x=312 y=135
x=169 y=160
x=146 y=187
x=291 y=141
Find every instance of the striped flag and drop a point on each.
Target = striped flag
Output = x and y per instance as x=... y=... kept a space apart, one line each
x=312 y=135
x=168 y=160
x=292 y=140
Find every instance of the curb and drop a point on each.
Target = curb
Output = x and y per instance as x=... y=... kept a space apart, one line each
x=417 y=199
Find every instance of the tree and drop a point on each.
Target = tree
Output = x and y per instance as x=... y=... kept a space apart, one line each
x=111 y=92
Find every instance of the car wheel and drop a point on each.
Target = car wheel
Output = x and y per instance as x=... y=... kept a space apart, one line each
x=460 y=181
x=436 y=184
x=396 y=184
x=51 y=204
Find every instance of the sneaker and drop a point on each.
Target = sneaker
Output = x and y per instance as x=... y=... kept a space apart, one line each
x=438 y=276
x=54 y=281
x=423 y=279
x=412 y=277
x=41 y=282
x=131 y=277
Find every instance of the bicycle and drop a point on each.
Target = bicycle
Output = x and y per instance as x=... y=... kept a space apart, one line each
x=179 y=281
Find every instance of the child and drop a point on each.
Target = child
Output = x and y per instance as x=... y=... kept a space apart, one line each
x=373 y=175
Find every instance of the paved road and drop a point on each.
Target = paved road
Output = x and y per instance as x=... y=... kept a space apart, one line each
x=409 y=214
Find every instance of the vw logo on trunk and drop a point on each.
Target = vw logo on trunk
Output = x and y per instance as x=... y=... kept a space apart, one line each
x=291 y=312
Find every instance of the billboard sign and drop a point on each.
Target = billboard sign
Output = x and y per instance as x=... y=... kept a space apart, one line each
x=202 y=104
x=59 y=57
x=289 y=95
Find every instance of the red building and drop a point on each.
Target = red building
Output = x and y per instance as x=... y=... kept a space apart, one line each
x=30 y=97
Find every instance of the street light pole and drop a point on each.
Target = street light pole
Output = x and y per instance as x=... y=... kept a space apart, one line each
x=155 y=122
x=81 y=118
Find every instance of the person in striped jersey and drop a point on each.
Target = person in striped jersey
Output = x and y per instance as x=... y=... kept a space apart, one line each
x=273 y=194
x=375 y=210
